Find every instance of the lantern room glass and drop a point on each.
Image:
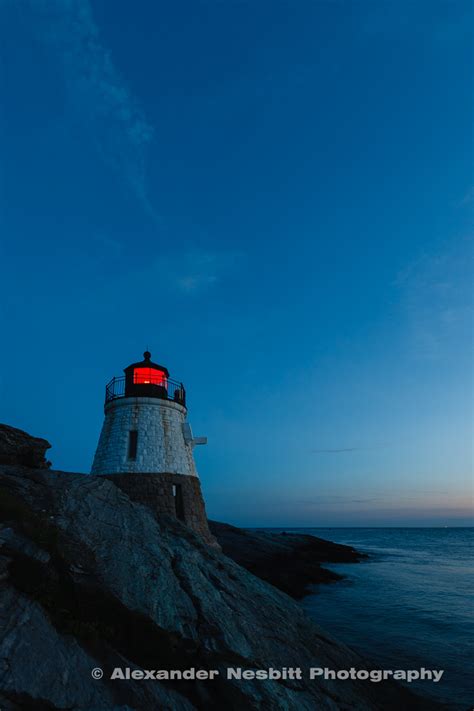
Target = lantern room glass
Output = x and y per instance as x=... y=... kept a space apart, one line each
x=149 y=376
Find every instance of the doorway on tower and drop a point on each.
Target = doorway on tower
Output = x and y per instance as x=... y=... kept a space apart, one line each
x=178 y=501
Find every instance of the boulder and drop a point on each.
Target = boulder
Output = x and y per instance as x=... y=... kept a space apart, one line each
x=18 y=447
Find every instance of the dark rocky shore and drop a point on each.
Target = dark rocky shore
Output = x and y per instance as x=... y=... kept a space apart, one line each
x=289 y=561
x=89 y=578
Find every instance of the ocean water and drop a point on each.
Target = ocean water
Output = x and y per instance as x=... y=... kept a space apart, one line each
x=410 y=605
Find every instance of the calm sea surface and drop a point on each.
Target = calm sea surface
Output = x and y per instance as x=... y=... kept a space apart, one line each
x=410 y=605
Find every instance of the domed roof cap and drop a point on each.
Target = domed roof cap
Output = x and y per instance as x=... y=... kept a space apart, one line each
x=147 y=363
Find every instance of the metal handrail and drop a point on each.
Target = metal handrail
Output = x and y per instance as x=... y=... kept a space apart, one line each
x=164 y=388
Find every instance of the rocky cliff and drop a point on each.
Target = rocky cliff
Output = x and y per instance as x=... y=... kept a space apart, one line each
x=91 y=579
x=290 y=561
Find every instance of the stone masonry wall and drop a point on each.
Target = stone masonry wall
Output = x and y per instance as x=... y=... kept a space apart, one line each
x=156 y=492
x=161 y=446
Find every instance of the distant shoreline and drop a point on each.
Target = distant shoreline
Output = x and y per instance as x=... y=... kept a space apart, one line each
x=343 y=528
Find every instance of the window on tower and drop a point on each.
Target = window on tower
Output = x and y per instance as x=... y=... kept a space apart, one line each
x=132 y=444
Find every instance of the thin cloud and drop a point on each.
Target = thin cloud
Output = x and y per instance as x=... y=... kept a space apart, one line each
x=97 y=93
x=436 y=299
x=192 y=284
x=325 y=500
x=390 y=19
x=336 y=500
x=336 y=451
x=201 y=270
x=467 y=199
x=188 y=274
x=345 y=449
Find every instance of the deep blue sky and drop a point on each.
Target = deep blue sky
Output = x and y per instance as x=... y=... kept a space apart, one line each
x=275 y=198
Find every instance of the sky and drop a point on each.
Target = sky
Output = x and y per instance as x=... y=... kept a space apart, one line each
x=276 y=199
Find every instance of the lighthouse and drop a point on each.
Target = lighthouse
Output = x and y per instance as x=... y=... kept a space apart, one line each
x=146 y=444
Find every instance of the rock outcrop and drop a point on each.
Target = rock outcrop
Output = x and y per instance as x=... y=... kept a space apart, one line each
x=156 y=492
x=290 y=561
x=18 y=447
x=91 y=579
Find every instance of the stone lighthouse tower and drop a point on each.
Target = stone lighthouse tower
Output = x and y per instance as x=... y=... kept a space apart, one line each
x=146 y=444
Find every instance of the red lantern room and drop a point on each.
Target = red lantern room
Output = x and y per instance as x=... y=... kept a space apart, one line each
x=146 y=379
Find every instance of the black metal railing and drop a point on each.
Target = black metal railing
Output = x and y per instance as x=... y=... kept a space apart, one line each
x=164 y=388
